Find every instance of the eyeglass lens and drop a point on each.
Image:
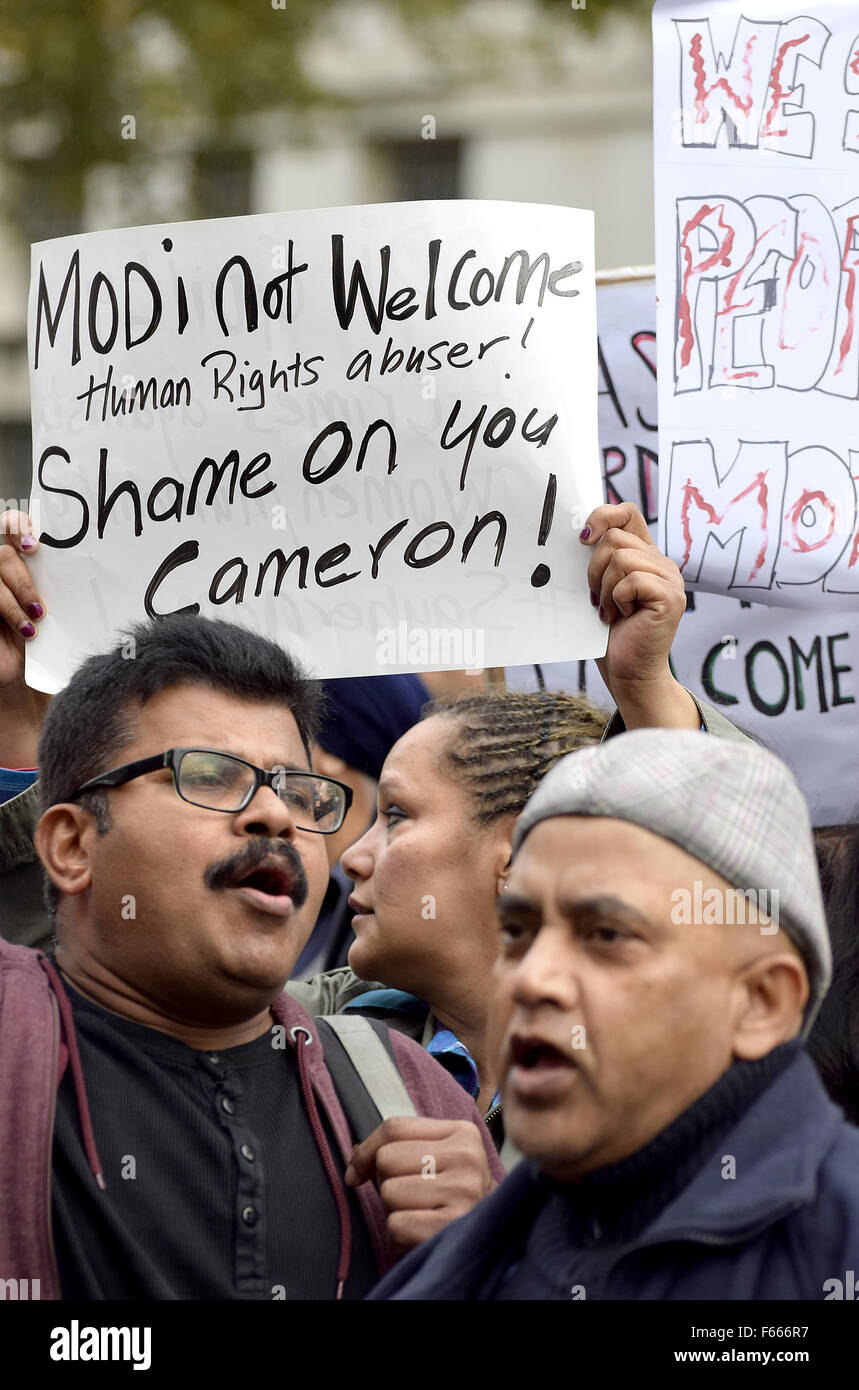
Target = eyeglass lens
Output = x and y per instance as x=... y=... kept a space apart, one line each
x=220 y=782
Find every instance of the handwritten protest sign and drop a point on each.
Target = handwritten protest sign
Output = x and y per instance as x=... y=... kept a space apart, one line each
x=756 y=126
x=369 y=432
x=789 y=677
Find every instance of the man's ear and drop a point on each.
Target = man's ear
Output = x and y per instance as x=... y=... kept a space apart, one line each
x=773 y=993
x=64 y=839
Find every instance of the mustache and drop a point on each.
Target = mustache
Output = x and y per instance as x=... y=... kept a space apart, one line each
x=228 y=872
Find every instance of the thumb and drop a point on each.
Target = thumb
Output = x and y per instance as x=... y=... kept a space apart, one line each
x=362 y=1164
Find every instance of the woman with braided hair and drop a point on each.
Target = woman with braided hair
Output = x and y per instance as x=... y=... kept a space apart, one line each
x=428 y=870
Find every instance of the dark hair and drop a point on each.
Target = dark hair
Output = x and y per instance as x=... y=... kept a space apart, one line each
x=833 y=1042
x=89 y=722
x=503 y=743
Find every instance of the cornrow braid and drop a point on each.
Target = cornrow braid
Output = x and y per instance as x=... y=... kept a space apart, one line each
x=503 y=743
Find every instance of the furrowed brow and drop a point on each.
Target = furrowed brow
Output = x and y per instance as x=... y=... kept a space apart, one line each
x=606 y=906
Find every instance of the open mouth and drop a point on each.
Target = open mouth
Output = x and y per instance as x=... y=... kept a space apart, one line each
x=540 y=1074
x=269 y=877
x=534 y=1053
x=273 y=882
x=268 y=889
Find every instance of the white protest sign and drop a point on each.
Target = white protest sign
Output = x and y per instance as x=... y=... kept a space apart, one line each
x=790 y=678
x=368 y=432
x=756 y=134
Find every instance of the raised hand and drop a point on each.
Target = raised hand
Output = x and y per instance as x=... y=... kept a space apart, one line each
x=21 y=609
x=640 y=593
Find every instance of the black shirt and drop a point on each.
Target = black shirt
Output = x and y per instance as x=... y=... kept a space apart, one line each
x=214 y=1185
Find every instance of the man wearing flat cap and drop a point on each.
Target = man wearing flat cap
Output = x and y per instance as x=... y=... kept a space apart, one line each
x=663 y=953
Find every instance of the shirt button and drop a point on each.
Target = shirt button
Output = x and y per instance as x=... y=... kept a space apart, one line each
x=227 y=1105
x=249 y=1216
x=247 y=1152
x=213 y=1058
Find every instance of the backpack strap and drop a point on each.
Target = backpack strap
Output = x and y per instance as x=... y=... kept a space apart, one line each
x=360 y=1059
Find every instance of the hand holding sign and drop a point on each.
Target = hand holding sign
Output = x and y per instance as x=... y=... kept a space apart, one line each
x=21 y=604
x=640 y=593
x=21 y=607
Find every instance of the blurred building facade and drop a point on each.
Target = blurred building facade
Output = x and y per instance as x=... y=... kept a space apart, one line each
x=530 y=108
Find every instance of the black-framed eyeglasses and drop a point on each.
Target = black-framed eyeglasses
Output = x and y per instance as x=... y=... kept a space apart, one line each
x=222 y=782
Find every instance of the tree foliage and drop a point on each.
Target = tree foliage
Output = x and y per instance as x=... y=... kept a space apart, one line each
x=71 y=71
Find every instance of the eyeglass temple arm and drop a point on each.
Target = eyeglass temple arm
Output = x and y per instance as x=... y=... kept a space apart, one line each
x=118 y=775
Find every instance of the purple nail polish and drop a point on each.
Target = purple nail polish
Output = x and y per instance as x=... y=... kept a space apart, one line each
x=594 y=598
x=585 y=534
x=27 y=630
x=27 y=542
x=602 y=612
x=35 y=610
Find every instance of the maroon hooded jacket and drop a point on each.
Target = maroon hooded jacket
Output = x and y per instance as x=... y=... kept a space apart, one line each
x=37 y=1043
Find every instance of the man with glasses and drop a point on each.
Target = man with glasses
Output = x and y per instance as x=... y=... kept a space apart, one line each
x=160 y=1096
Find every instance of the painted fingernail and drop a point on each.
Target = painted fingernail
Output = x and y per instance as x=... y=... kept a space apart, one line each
x=28 y=542
x=602 y=612
x=585 y=534
x=594 y=599
x=35 y=610
x=27 y=630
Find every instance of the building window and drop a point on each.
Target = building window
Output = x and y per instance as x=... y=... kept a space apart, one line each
x=420 y=169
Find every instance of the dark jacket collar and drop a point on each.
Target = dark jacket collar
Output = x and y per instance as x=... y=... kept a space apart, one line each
x=779 y=1144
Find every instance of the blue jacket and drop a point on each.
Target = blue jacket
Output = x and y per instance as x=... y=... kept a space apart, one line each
x=783 y=1228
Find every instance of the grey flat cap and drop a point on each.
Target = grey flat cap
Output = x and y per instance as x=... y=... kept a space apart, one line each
x=732 y=805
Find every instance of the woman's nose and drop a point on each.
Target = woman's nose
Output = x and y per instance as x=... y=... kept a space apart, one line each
x=357 y=860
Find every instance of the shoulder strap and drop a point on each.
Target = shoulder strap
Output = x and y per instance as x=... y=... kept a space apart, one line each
x=360 y=1060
